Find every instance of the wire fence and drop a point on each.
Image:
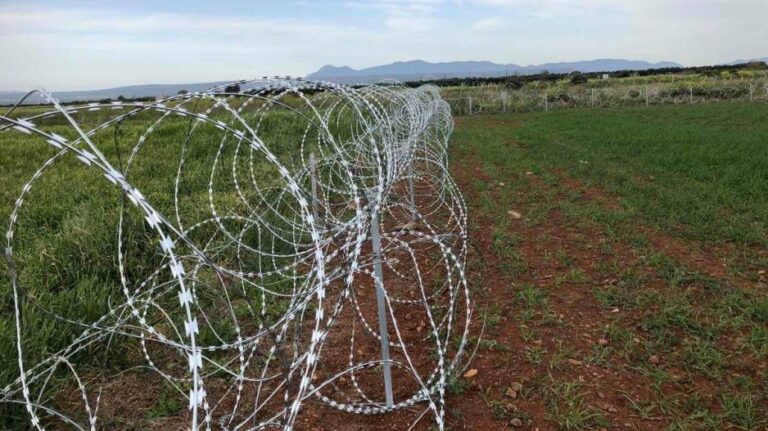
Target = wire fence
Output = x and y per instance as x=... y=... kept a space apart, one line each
x=499 y=99
x=290 y=242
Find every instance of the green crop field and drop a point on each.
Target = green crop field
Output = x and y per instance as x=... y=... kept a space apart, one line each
x=631 y=292
x=618 y=260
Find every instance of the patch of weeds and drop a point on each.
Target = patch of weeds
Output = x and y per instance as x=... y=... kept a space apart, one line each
x=741 y=411
x=526 y=333
x=644 y=409
x=564 y=257
x=613 y=297
x=758 y=341
x=168 y=403
x=632 y=278
x=561 y=354
x=675 y=312
x=639 y=240
x=678 y=275
x=621 y=338
x=704 y=357
x=535 y=354
x=567 y=408
x=600 y=355
x=492 y=317
x=532 y=297
x=758 y=311
x=457 y=386
x=486 y=345
x=503 y=240
x=744 y=383
x=575 y=276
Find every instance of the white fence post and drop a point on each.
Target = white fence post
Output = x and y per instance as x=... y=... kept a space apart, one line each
x=647 y=97
x=381 y=306
x=593 y=97
x=470 y=105
x=313 y=178
x=410 y=189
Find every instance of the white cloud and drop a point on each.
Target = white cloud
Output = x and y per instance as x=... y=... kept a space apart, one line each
x=63 y=48
x=487 y=24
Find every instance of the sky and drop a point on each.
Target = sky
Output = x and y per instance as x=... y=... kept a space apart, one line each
x=85 y=45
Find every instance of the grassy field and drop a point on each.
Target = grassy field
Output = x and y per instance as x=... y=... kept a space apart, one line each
x=630 y=294
x=697 y=172
x=66 y=240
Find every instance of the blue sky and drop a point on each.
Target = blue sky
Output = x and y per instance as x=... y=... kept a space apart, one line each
x=68 y=45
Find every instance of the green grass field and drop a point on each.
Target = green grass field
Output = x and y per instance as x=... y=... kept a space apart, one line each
x=633 y=289
x=631 y=294
x=696 y=171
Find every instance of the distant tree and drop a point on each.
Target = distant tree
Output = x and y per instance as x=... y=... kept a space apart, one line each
x=182 y=92
x=233 y=88
x=578 y=78
x=121 y=98
x=513 y=83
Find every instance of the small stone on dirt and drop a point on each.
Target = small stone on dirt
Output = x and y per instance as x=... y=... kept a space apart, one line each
x=471 y=373
x=529 y=173
x=516 y=386
x=575 y=362
x=501 y=184
x=515 y=215
x=511 y=393
x=610 y=408
x=654 y=359
x=602 y=342
x=515 y=422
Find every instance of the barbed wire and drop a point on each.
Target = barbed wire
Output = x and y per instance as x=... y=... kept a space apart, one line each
x=286 y=216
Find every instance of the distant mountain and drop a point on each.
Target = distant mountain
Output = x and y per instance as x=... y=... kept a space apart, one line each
x=764 y=60
x=418 y=69
x=133 y=91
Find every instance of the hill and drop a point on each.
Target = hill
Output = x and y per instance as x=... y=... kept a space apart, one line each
x=419 y=69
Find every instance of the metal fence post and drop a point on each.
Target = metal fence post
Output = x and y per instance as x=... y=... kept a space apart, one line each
x=546 y=102
x=470 y=105
x=381 y=306
x=593 y=97
x=313 y=178
x=647 y=97
x=410 y=189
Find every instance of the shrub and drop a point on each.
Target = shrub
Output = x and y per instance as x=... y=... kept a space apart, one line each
x=578 y=78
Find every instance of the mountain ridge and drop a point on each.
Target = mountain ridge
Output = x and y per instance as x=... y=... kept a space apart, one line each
x=417 y=69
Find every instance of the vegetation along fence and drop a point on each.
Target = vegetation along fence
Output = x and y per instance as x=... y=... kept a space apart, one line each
x=600 y=94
